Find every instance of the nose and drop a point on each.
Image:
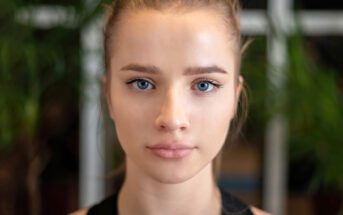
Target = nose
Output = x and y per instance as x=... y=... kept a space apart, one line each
x=173 y=113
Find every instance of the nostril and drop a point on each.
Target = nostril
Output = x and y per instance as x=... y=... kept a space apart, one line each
x=171 y=124
x=183 y=128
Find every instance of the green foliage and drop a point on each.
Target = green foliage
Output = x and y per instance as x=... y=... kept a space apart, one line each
x=315 y=113
x=32 y=62
x=313 y=106
x=253 y=69
x=18 y=81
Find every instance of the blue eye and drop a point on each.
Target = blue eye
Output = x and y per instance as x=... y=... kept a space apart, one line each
x=204 y=86
x=140 y=84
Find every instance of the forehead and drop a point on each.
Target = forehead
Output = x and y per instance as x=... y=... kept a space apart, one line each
x=165 y=39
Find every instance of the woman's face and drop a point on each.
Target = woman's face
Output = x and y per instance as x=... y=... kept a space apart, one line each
x=172 y=91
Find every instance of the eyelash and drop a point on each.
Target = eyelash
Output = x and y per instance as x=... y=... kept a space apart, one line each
x=215 y=85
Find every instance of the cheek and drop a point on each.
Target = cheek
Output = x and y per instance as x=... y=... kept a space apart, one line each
x=214 y=119
x=129 y=118
x=216 y=123
x=133 y=118
x=219 y=109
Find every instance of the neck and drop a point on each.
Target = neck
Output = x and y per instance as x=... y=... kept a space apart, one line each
x=197 y=195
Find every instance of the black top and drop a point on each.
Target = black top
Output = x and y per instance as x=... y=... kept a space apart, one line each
x=230 y=205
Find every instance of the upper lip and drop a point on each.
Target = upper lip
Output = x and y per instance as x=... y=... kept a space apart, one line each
x=171 y=145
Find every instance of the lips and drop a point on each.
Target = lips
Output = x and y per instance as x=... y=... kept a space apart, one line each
x=171 y=150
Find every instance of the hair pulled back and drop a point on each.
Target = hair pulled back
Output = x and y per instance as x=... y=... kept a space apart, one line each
x=228 y=9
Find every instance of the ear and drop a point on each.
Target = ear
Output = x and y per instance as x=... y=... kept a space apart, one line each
x=107 y=95
x=239 y=87
x=238 y=91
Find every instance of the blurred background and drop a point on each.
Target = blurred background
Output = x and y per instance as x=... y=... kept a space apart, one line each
x=57 y=145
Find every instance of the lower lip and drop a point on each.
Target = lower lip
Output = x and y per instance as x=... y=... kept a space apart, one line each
x=171 y=153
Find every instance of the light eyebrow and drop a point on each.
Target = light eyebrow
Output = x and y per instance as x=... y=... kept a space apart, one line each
x=189 y=71
x=141 y=68
x=204 y=70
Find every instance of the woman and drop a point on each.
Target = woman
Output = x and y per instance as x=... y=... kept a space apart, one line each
x=172 y=86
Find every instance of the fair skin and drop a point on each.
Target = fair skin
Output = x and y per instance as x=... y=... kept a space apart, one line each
x=172 y=81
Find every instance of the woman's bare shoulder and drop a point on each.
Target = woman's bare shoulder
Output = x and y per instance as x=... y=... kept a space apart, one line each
x=80 y=212
x=257 y=211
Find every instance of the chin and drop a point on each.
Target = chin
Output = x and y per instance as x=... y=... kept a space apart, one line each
x=174 y=179
x=174 y=175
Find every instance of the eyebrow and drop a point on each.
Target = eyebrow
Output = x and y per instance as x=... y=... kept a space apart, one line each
x=188 y=71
